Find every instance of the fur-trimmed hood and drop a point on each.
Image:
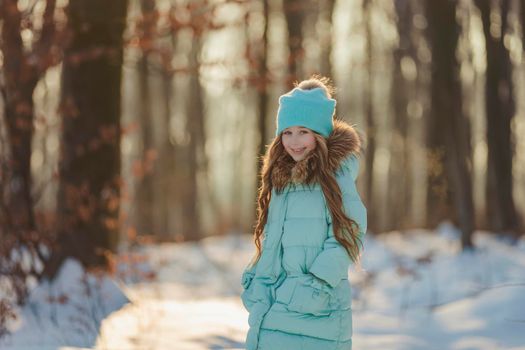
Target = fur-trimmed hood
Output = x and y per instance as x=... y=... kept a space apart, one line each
x=342 y=142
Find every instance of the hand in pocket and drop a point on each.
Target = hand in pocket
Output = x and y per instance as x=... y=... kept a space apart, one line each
x=307 y=299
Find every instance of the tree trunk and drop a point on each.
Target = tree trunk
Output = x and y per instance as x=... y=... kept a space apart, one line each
x=22 y=69
x=19 y=113
x=371 y=128
x=399 y=171
x=500 y=106
x=89 y=167
x=144 y=200
x=449 y=129
x=262 y=84
x=522 y=13
x=166 y=164
x=195 y=150
x=294 y=14
x=325 y=41
x=262 y=89
x=438 y=188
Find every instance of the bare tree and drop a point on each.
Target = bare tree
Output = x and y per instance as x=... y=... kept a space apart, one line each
x=262 y=84
x=195 y=157
x=22 y=70
x=326 y=13
x=500 y=106
x=145 y=202
x=89 y=167
x=448 y=129
x=402 y=93
x=24 y=64
x=368 y=96
x=294 y=12
x=259 y=79
x=169 y=172
x=522 y=15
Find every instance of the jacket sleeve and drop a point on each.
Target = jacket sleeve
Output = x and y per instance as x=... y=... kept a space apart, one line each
x=331 y=265
x=255 y=290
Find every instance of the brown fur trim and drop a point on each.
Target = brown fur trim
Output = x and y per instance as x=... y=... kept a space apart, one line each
x=341 y=143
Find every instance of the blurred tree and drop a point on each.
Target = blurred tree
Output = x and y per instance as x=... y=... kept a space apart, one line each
x=294 y=11
x=500 y=109
x=404 y=72
x=146 y=34
x=522 y=12
x=25 y=60
x=89 y=169
x=262 y=85
x=259 y=78
x=194 y=157
x=169 y=174
x=326 y=12
x=368 y=102
x=448 y=130
x=173 y=168
x=23 y=68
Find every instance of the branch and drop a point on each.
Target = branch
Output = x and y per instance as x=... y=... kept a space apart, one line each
x=12 y=46
x=43 y=47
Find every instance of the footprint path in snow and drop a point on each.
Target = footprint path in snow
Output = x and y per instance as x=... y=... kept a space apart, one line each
x=193 y=303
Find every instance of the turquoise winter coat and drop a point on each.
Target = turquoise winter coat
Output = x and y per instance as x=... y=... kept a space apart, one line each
x=299 y=285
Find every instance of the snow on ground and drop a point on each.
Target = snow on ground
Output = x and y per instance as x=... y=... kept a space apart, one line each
x=68 y=311
x=414 y=291
x=420 y=292
x=192 y=304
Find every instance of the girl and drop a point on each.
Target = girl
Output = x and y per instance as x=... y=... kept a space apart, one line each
x=312 y=221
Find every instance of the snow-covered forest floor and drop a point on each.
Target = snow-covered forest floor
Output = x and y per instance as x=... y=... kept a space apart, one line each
x=413 y=291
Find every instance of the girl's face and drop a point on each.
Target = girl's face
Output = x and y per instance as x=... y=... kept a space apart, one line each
x=298 y=142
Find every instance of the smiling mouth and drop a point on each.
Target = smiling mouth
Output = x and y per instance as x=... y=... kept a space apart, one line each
x=298 y=150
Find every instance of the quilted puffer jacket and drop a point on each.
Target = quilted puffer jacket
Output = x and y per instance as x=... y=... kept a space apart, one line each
x=300 y=283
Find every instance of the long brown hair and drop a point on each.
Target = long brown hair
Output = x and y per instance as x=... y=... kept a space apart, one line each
x=346 y=230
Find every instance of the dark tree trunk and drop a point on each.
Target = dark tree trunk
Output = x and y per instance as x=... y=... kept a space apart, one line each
x=448 y=129
x=368 y=97
x=522 y=13
x=262 y=88
x=258 y=53
x=194 y=151
x=294 y=13
x=89 y=168
x=168 y=172
x=22 y=70
x=500 y=106
x=145 y=201
x=439 y=205
x=326 y=14
x=19 y=112
x=399 y=192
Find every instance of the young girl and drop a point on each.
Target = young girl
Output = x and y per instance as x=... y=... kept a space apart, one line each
x=312 y=222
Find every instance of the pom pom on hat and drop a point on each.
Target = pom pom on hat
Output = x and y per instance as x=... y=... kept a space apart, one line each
x=311 y=109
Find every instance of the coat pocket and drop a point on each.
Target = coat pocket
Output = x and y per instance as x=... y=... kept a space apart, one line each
x=257 y=292
x=307 y=299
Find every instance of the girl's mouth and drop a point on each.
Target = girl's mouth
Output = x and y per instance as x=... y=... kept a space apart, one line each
x=298 y=150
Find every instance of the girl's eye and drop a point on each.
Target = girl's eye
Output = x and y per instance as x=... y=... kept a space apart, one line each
x=287 y=132
x=303 y=132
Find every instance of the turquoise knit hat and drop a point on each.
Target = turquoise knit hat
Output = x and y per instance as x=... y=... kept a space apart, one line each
x=311 y=109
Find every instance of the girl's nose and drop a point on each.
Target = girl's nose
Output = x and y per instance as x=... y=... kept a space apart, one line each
x=294 y=142
x=295 y=138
